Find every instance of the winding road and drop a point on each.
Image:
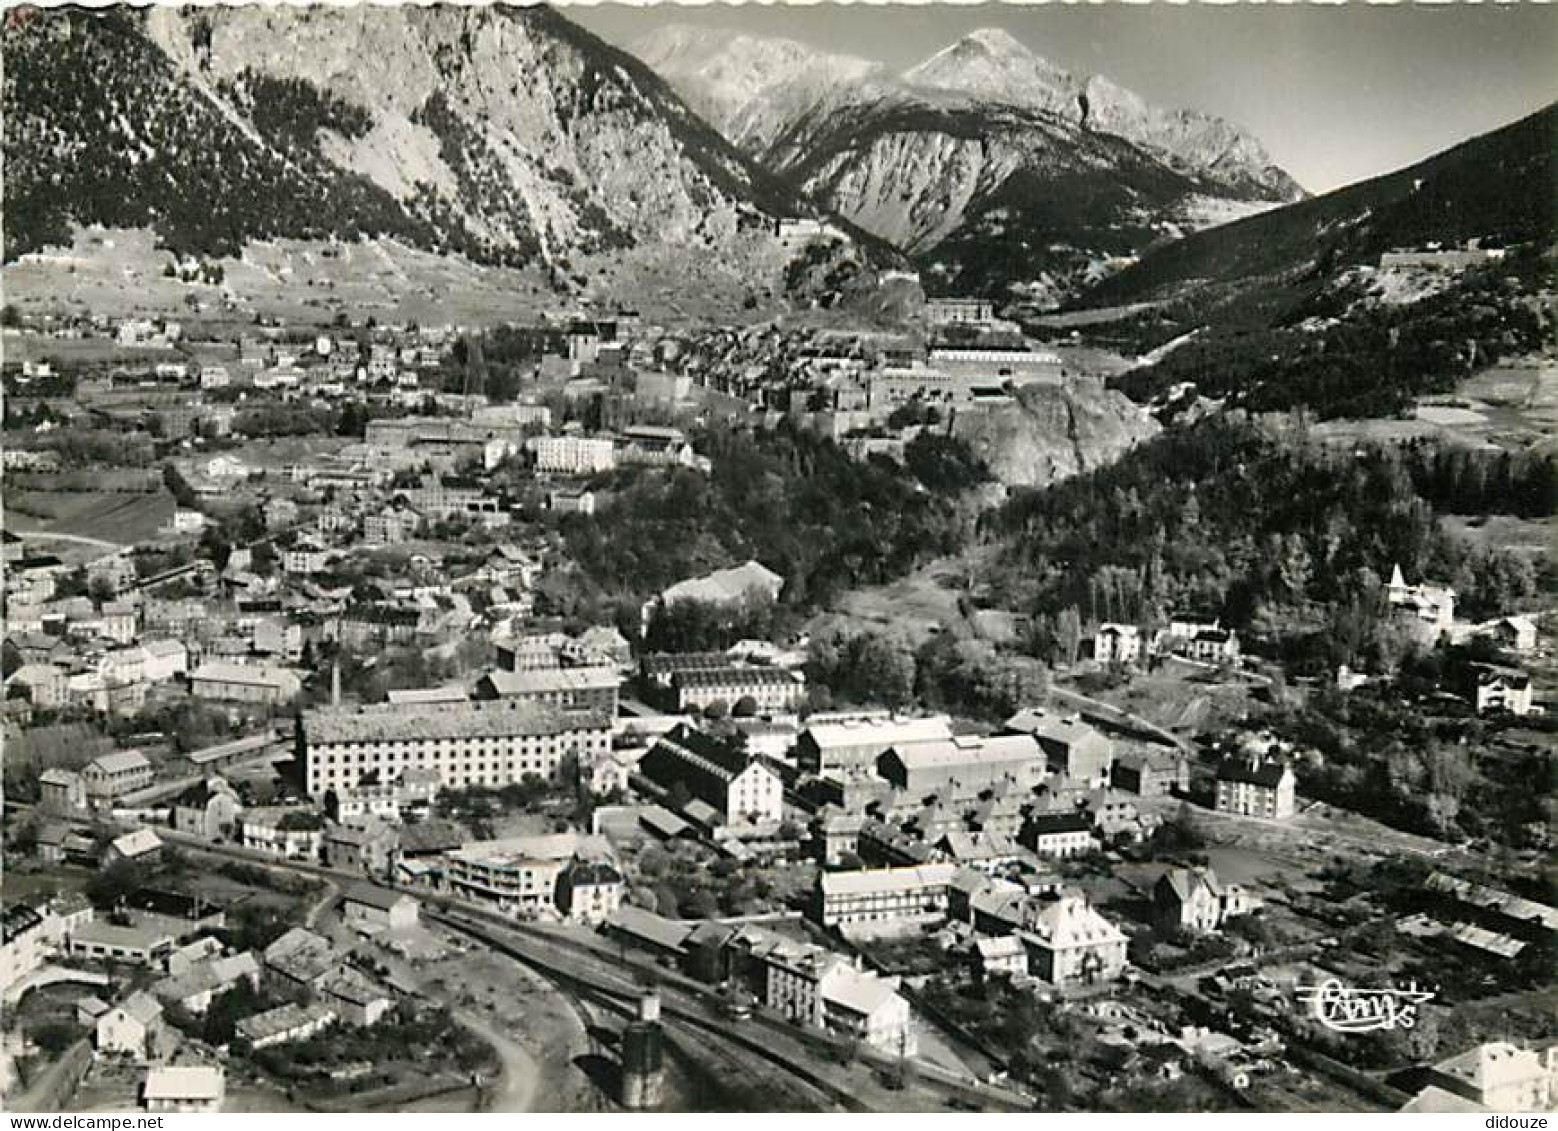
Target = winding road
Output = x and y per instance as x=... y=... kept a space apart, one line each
x=516 y=1084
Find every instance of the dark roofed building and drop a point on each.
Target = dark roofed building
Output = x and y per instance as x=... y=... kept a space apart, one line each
x=589 y=891
x=655 y=933
x=1058 y=834
x=1155 y=773
x=1256 y=786
x=1194 y=899
x=739 y=786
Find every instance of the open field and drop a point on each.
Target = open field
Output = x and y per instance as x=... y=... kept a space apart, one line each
x=1535 y=537
x=273 y=455
x=72 y=549
x=1180 y=697
x=118 y=273
x=121 y=518
x=916 y=606
x=1513 y=405
x=27 y=346
x=41 y=881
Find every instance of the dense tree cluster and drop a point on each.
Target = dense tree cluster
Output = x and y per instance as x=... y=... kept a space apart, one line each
x=1385 y=751
x=964 y=675
x=701 y=626
x=1462 y=479
x=865 y=668
x=800 y=505
x=944 y=463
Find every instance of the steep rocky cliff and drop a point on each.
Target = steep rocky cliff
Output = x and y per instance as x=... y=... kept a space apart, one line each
x=505 y=134
x=1051 y=432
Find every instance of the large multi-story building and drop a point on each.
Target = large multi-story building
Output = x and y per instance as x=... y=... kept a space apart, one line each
x=959 y=311
x=538 y=876
x=487 y=744
x=743 y=789
x=413 y=789
x=1070 y=943
x=1195 y=900
x=1495 y=689
x=208 y=809
x=391 y=527
x=114 y=775
x=1430 y=607
x=592 y=688
x=1501 y=1076
x=1058 y=835
x=289 y=831
x=573 y=455
x=441 y=442
x=24 y=943
x=771 y=690
x=244 y=683
x=1152 y=773
x=61 y=792
x=1254 y=786
x=809 y=985
x=961 y=768
x=884 y=900
x=845 y=743
x=589 y=891
x=1117 y=644
x=1070 y=746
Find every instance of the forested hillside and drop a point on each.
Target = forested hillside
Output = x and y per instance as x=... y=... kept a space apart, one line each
x=503 y=134
x=1341 y=354
x=800 y=505
x=1497 y=187
x=1284 y=310
x=100 y=128
x=1287 y=539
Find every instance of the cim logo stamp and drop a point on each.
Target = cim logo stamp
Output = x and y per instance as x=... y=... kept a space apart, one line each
x=1344 y=1009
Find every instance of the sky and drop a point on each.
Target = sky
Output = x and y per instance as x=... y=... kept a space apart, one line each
x=1336 y=93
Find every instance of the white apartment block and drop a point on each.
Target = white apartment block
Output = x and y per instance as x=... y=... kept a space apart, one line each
x=493 y=744
x=884 y=900
x=573 y=455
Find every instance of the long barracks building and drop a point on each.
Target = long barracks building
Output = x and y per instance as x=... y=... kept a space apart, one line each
x=486 y=744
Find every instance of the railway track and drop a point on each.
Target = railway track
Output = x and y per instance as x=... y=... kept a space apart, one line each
x=697 y=1036
x=713 y=1036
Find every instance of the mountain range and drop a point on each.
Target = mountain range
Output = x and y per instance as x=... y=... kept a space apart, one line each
x=512 y=137
x=1303 y=306
x=503 y=135
x=999 y=172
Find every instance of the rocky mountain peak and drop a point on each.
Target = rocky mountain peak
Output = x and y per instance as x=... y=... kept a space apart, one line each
x=508 y=135
x=993 y=64
x=751 y=87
